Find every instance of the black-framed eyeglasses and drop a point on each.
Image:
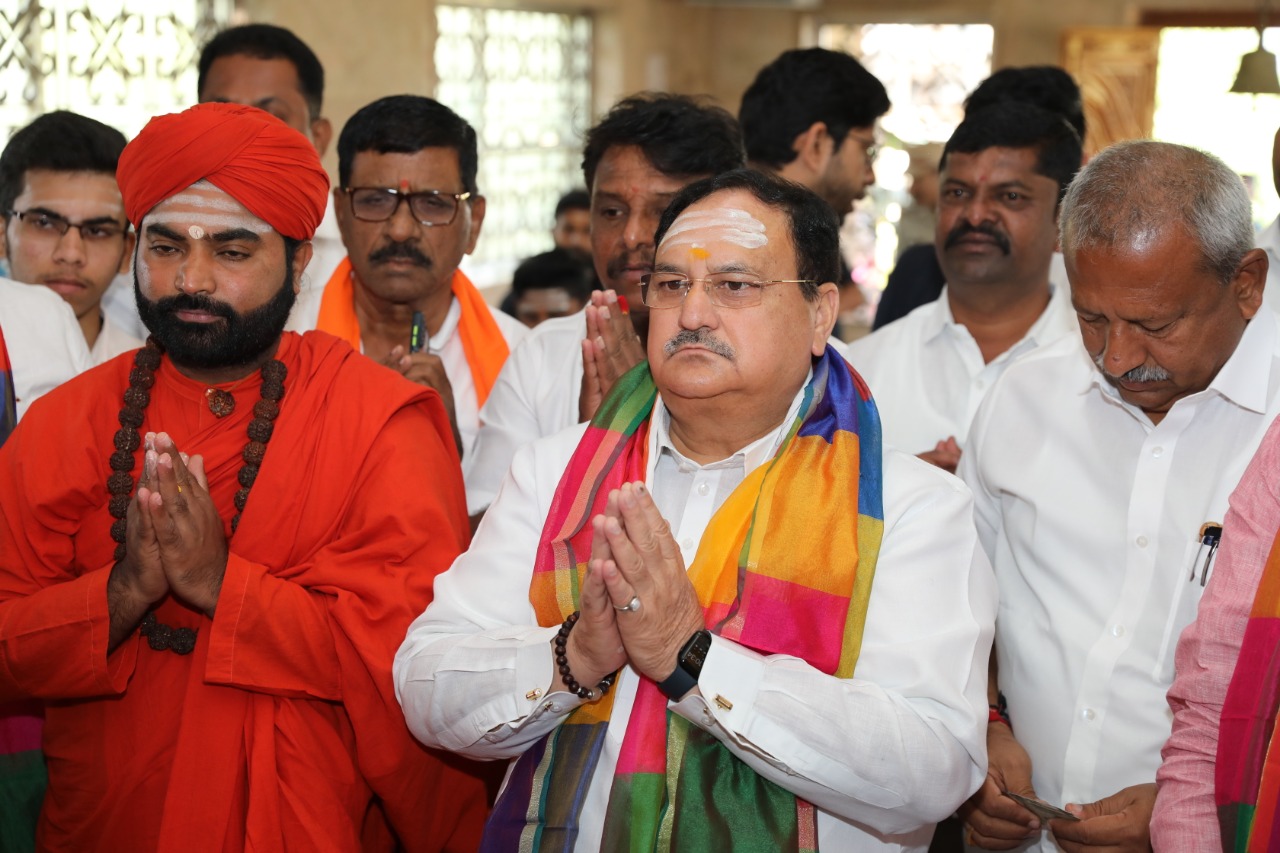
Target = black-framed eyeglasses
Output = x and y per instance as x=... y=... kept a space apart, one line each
x=429 y=207
x=42 y=224
x=725 y=290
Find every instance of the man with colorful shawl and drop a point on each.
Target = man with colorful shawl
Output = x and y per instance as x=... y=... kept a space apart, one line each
x=409 y=209
x=213 y=647
x=815 y=679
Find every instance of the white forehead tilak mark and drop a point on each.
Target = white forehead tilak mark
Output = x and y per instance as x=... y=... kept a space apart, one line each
x=204 y=207
x=729 y=224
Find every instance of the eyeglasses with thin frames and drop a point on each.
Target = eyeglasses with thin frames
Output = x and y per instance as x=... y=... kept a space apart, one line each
x=428 y=207
x=725 y=290
x=50 y=226
x=870 y=146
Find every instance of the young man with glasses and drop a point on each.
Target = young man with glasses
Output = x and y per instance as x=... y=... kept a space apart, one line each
x=64 y=223
x=810 y=117
x=409 y=209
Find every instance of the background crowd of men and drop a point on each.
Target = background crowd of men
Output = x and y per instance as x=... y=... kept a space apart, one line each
x=650 y=560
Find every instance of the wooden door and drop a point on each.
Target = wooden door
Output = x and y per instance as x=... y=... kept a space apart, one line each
x=1116 y=70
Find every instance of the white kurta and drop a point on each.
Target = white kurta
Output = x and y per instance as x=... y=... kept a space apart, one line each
x=927 y=374
x=45 y=344
x=882 y=755
x=112 y=341
x=446 y=343
x=1092 y=516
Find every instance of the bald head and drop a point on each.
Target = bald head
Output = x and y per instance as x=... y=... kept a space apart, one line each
x=1133 y=192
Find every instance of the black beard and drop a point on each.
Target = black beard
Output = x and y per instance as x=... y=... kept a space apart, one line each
x=232 y=341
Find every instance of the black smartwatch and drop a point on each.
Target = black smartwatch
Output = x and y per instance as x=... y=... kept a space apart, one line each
x=688 y=667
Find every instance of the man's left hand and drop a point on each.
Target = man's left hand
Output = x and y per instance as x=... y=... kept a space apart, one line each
x=427 y=369
x=647 y=565
x=1120 y=823
x=193 y=546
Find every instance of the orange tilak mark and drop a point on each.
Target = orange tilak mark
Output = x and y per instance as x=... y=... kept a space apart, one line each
x=404 y=185
x=698 y=253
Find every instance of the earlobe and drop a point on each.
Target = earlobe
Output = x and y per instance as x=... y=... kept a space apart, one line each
x=301 y=258
x=126 y=257
x=1249 y=282
x=321 y=135
x=477 y=219
x=814 y=147
x=826 y=310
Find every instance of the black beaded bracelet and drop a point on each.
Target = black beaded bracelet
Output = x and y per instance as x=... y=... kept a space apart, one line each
x=562 y=663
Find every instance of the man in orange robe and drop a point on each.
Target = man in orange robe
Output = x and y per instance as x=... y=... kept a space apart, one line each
x=214 y=648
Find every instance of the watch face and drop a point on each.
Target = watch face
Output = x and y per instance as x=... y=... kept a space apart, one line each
x=696 y=653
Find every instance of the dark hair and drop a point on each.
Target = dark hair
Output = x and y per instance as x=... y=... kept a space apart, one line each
x=406 y=124
x=681 y=136
x=573 y=200
x=815 y=231
x=264 y=41
x=556 y=268
x=59 y=142
x=1046 y=86
x=799 y=88
x=1016 y=124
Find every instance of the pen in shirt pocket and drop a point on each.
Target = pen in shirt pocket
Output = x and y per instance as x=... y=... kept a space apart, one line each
x=1210 y=539
x=418 y=332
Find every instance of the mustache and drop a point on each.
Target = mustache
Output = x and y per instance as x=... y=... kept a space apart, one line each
x=701 y=337
x=400 y=251
x=194 y=302
x=964 y=229
x=1141 y=373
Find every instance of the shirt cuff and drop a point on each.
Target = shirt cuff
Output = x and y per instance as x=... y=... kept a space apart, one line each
x=727 y=689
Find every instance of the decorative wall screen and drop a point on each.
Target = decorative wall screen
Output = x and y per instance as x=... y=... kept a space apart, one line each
x=119 y=61
x=523 y=81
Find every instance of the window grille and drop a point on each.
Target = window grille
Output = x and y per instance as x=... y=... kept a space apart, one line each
x=119 y=61
x=523 y=81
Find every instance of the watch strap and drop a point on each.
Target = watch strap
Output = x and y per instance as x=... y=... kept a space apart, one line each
x=688 y=666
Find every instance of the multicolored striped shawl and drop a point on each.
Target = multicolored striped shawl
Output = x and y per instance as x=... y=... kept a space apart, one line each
x=1247 y=774
x=784 y=567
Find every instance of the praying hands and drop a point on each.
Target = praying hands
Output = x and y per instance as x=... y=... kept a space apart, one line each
x=175 y=540
x=610 y=349
x=638 y=604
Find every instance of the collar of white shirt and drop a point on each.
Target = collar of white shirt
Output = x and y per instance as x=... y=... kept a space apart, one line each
x=750 y=457
x=1055 y=318
x=1244 y=379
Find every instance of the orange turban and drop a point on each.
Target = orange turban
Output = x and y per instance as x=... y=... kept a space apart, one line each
x=257 y=159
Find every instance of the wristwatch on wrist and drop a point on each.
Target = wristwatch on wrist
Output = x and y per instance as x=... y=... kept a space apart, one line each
x=688 y=667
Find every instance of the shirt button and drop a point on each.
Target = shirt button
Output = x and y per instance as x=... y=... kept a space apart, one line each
x=1142 y=541
x=686 y=544
x=704 y=489
x=1088 y=714
x=1117 y=631
x=1157 y=452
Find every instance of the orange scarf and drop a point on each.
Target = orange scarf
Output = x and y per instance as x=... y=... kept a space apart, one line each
x=482 y=341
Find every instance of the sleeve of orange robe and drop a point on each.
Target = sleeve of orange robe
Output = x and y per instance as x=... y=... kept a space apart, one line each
x=406 y=523
x=54 y=623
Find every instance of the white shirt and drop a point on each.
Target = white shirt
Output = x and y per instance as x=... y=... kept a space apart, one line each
x=112 y=341
x=536 y=395
x=1091 y=516
x=882 y=755
x=45 y=344
x=927 y=374
x=445 y=343
x=1269 y=239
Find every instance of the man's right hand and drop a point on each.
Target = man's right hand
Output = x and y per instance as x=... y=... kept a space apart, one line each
x=945 y=454
x=138 y=581
x=994 y=821
x=595 y=646
x=610 y=349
